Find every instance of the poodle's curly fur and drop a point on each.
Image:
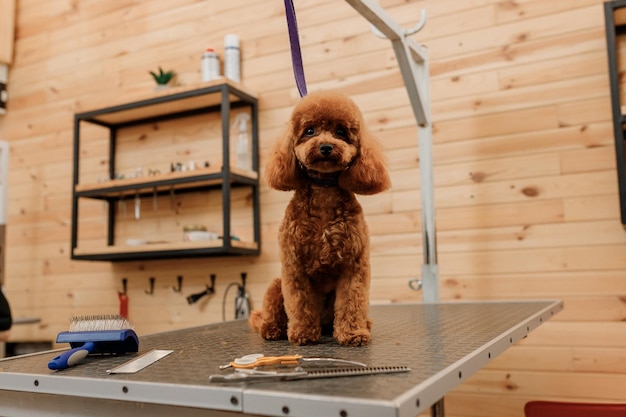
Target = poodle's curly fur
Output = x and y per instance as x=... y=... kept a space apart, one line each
x=326 y=156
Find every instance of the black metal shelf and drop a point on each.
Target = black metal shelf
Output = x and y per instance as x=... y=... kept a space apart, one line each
x=218 y=96
x=190 y=182
x=168 y=251
x=188 y=102
x=615 y=24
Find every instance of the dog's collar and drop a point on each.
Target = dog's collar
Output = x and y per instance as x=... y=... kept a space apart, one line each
x=320 y=179
x=323 y=180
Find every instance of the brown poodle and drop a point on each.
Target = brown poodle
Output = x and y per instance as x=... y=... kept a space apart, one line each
x=326 y=156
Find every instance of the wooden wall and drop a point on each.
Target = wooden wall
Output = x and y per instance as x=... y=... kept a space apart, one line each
x=526 y=187
x=7 y=30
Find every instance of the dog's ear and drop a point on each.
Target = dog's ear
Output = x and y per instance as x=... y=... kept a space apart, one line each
x=368 y=173
x=281 y=172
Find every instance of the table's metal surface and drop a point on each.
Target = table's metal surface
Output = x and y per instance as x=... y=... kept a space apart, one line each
x=443 y=343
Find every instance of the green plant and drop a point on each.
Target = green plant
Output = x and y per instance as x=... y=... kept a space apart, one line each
x=162 y=77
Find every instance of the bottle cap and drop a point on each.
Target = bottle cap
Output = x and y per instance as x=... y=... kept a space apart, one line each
x=231 y=41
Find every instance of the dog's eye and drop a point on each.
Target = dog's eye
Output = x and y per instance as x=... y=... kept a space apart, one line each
x=341 y=132
x=309 y=131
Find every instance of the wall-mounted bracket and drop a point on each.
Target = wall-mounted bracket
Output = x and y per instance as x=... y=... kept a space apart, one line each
x=179 y=286
x=150 y=290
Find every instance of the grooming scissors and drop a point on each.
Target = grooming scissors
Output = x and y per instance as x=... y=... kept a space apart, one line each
x=258 y=359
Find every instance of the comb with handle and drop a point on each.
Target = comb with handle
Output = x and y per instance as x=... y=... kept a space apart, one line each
x=95 y=334
x=250 y=375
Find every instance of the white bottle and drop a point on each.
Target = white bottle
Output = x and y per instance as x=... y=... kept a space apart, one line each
x=232 y=57
x=210 y=65
x=244 y=154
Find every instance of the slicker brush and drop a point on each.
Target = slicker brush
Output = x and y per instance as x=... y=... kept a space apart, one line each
x=112 y=334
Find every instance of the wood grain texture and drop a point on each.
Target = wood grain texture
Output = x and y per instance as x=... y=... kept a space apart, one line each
x=526 y=190
x=7 y=30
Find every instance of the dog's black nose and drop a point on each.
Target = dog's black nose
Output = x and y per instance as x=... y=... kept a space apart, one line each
x=326 y=149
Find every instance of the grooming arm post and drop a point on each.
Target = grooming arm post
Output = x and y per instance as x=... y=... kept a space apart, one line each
x=430 y=270
x=413 y=62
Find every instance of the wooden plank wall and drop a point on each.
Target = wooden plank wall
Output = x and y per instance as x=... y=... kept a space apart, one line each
x=525 y=177
x=7 y=30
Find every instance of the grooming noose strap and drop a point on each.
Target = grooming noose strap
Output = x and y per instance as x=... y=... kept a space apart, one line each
x=296 y=54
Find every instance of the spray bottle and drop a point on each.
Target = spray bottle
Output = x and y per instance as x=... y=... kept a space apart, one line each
x=244 y=154
x=210 y=65
x=232 y=58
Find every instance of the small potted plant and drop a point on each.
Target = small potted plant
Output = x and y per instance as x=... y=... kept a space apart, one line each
x=162 y=78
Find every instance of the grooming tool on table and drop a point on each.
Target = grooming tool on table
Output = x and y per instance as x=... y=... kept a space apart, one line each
x=258 y=359
x=137 y=364
x=255 y=375
x=95 y=334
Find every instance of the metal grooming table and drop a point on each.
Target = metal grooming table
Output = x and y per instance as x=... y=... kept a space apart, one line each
x=443 y=344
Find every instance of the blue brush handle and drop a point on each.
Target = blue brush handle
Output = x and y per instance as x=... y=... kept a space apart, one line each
x=71 y=357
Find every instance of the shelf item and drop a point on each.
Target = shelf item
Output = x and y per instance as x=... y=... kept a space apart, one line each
x=615 y=19
x=217 y=98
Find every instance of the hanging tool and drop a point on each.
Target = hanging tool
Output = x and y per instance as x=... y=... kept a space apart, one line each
x=258 y=359
x=250 y=375
x=121 y=205
x=137 y=206
x=209 y=290
x=172 y=200
x=242 y=299
x=123 y=297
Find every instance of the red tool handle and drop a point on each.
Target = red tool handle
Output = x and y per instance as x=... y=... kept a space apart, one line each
x=123 y=297
x=123 y=304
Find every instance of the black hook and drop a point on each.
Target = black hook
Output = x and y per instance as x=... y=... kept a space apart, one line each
x=124 y=286
x=212 y=287
x=242 y=287
x=209 y=290
x=151 y=290
x=179 y=288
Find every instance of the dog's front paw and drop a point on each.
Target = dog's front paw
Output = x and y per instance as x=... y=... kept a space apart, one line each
x=358 y=337
x=271 y=332
x=304 y=336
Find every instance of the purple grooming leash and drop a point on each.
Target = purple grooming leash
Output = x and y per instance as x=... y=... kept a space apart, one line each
x=296 y=54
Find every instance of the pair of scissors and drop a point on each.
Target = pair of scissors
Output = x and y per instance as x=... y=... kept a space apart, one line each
x=299 y=373
x=258 y=359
